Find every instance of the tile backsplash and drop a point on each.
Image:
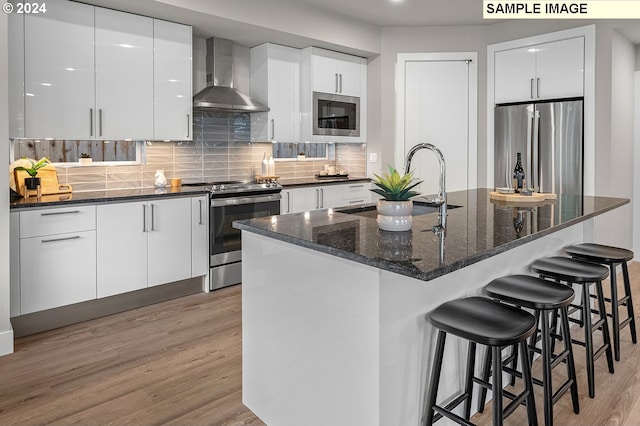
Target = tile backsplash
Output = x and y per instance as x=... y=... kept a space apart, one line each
x=221 y=150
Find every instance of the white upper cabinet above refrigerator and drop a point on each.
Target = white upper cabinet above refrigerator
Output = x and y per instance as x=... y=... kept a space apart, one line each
x=551 y=70
x=59 y=71
x=172 y=110
x=124 y=71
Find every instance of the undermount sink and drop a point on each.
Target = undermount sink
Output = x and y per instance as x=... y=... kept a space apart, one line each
x=419 y=208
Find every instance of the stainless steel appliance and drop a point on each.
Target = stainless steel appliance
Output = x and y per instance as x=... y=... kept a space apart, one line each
x=336 y=115
x=550 y=137
x=234 y=201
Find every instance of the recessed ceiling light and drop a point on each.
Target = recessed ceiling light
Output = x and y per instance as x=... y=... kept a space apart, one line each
x=397 y=1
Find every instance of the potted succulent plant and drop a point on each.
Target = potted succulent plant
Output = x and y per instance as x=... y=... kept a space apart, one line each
x=33 y=181
x=394 y=210
x=85 y=159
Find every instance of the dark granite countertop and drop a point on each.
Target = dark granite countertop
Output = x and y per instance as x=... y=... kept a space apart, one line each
x=314 y=181
x=481 y=228
x=109 y=196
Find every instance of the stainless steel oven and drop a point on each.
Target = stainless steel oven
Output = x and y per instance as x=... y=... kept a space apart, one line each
x=224 y=240
x=336 y=115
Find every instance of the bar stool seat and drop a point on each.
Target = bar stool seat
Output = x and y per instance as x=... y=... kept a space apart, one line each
x=488 y=322
x=612 y=257
x=545 y=298
x=583 y=273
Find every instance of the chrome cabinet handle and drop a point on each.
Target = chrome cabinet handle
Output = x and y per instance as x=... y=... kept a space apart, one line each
x=90 y=121
x=321 y=198
x=317 y=198
x=53 y=240
x=531 y=88
x=144 y=218
x=59 y=213
x=153 y=217
x=356 y=202
x=356 y=186
x=336 y=82
x=100 y=119
x=273 y=129
x=288 y=202
x=340 y=83
x=538 y=87
x=188 y=126
x=200 y=208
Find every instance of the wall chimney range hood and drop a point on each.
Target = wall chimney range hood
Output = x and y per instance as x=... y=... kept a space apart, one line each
x=220 y=95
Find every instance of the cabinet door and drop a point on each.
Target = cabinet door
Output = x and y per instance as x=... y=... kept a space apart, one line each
x=172 y=110
x=330 y=196
x=305 y=199
x=515 y=75
x=560 y=69
x=350 y=70
x=124 y=66
x=284 y=93
x=59 y=71
x=121 y=248
x=356 y=194
x=199 y=236
x=324 y=71
x=169 y=241
x=57 y=270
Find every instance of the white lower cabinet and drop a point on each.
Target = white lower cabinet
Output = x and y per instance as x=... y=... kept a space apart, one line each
x=57 y=257
x=297 y=200
x=66 y=255
x=143 y=244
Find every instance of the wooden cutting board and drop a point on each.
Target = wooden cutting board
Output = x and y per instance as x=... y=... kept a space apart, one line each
x=48 y=181
x=517 y=198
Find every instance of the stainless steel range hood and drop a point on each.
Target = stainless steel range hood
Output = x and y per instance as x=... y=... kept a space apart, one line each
x=220 y=95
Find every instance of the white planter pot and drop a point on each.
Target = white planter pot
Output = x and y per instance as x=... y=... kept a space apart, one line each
x=85 y=161
x=395 y=215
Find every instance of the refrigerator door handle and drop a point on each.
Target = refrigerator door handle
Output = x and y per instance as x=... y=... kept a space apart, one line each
x=535 y=170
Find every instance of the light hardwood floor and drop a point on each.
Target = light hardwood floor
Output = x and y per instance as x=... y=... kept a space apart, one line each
x=179 y=362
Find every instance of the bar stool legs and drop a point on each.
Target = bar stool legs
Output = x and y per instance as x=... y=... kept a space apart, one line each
x=612 y=257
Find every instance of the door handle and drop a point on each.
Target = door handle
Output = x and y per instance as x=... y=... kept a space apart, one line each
x=100 y=119
x=317 y=198
x=59 y=213
x=531 y=88
x=53 y=240
x=90 y=121
x=340 y=83
x=538 y=87
x=153 y=217
x=200 y=208
x=322 y=198
x=336 y=82
x=188 y=126
x=144 y=218
x=273 y=129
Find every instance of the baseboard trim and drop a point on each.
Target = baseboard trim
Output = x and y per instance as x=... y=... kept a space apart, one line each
x=37 y=322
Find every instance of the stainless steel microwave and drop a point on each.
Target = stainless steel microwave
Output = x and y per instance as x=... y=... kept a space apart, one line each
x=336 y=115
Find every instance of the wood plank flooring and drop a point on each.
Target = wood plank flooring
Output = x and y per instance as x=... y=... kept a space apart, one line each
x=179 y=362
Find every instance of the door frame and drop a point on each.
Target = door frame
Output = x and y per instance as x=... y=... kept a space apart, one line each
x=472 y=112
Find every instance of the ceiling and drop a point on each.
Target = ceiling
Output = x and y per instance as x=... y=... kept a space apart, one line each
x=386 y=13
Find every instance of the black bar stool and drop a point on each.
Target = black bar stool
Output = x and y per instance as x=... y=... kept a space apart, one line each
x=487 y=322
x=545 y=298
x=583 y=273
x=612 y=257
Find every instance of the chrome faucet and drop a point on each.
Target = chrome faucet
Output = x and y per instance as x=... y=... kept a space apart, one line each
x=441 y=200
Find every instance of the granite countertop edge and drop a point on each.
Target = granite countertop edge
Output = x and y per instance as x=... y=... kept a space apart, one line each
x=105 y=197
x=405 y=268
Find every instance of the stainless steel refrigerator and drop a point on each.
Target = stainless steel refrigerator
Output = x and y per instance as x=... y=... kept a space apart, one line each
x=550 y=137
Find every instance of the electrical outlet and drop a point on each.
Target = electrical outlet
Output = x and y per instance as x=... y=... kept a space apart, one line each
x=373 y=157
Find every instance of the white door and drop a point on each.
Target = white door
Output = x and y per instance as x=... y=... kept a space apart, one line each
x=438 y=97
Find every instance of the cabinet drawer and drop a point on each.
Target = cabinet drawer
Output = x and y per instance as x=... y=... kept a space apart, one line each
x=57 y=221
x=356 y=190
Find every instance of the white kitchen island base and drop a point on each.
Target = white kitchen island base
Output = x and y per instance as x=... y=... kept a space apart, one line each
x=330 y=341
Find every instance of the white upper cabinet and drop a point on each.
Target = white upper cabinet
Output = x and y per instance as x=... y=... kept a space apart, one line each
x=172 y=64
x=88 y=73
x=124 y=75
x=334 y=72
x=59 y=71
x=543 y=71
x=275 y=81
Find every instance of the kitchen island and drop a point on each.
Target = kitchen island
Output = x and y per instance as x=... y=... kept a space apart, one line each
x=334 y=310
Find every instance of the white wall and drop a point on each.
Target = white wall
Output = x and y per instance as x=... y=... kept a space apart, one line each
x=6 y=332
x=636 y=162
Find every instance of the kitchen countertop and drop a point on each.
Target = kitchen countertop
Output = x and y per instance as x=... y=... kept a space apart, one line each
x=314 y=181
x=479 y=229
x=109 y=196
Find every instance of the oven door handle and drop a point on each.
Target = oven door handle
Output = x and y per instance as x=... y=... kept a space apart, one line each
x=235 y=201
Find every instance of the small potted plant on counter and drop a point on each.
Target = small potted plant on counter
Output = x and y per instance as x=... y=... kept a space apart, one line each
x=394 y=210
x=85 y=159
x=301 y=156
x=33 y=181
